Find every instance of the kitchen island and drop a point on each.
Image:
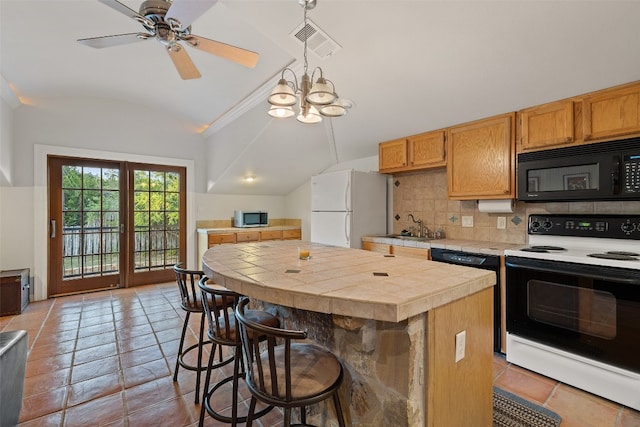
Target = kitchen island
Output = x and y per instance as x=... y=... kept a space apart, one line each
x=391 y=320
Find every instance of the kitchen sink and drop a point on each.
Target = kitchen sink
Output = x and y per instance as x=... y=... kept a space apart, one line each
x=403 y=237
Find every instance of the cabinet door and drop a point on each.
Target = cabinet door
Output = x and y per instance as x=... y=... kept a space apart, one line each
x=382 y=248
x=247 y=236
x=217 y=239
x=295 y=234
x=427 y=149
x=547 y=125
x=480 y=158
x=612 y=113
x=392 y=155
x=407 y=251
x=271 y=235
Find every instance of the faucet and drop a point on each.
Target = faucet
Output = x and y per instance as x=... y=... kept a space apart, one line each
x=417 y=221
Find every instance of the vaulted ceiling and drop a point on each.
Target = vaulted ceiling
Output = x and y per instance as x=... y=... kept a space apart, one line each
x=409 y=67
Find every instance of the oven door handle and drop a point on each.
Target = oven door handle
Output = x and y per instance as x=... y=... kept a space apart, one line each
x=630 y=277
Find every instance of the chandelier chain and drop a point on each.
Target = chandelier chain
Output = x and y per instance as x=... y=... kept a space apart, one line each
x=306 y=36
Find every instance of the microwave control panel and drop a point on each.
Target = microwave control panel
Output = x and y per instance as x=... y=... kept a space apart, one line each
x=631 y=173
x=609 y=226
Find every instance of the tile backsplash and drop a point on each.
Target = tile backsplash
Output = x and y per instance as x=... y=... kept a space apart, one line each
x=424 y=194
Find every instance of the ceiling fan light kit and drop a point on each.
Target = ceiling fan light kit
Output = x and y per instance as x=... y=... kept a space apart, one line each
x=169 y=22
x=315 y=99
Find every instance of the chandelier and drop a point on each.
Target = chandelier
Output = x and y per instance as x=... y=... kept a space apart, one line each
x=315 y=100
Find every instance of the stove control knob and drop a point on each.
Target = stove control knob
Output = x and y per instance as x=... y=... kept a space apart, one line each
x=547 y=225
x=628 y=227
x=535 y=225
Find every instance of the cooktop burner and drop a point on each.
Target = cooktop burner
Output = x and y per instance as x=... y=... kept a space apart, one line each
x=617 y=255
x=543 y=248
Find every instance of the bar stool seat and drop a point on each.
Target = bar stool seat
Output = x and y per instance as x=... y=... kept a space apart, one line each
x=287 y=374
x=223 y=331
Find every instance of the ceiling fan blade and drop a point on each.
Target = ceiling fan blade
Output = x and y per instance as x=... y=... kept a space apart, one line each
x=187 y=11
x=115 y=40
x=185 y=66
x=116 y=5
x=236 y=54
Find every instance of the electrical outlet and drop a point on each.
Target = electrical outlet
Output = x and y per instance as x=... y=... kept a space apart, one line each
x=461 y=338
x=502 y=223
x=467 y=221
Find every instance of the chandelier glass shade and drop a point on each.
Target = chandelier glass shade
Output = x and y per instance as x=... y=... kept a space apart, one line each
x=314 y=99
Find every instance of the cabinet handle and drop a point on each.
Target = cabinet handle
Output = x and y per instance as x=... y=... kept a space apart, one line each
x=52 y=231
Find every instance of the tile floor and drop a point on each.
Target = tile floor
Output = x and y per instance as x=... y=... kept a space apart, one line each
x=107 y=358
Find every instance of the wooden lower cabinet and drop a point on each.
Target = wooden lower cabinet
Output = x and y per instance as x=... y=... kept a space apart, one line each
x=14 y=291
x=382 y=248
x=407 y=251
x=218 y=239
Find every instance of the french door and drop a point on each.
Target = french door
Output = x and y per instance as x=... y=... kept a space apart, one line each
x=113 y=224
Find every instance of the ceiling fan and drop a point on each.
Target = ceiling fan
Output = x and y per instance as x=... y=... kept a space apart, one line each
x=169 y=22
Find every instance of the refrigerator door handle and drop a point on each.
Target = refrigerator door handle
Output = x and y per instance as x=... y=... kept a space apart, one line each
x=347 y=192
x=347 y=228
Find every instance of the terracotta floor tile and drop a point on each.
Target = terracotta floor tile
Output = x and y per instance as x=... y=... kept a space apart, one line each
x=95 y=368
x=54 y=327
x=95 y=318
x=137 y=342
x=47 y=381
x=50 y=420
x=42 y=404
x=95 y=340
x=48 y=364
x=53 y=338
x=107 y=409
x=96 y=329
x=126 y=331
x=94 y=388
x=140 y=356
x=94 y=353
x=145 y=372
x=170 y=413
x=167 y=324
x=150 y=393
x=519 y=381
x=55 y=349
x=580 y=409
x=169 y=334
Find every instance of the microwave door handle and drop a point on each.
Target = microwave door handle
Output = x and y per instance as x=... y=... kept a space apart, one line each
x=615 y=175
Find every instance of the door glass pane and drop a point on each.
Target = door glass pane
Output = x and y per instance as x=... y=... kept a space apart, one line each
x=156 y=219
x=89 y=234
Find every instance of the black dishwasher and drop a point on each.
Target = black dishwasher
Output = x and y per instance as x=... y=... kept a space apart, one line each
x=484 y=262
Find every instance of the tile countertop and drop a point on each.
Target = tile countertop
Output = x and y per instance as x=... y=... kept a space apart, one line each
x=241 y=229
x=343 y=281
x=475 y=246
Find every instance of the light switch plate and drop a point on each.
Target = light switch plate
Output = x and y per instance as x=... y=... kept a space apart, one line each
x=467 y=221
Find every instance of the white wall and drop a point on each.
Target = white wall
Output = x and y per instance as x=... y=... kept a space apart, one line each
x=6 y=139
x=221 y=206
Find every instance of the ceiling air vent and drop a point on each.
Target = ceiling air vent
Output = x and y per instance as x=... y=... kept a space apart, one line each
x=318 y=41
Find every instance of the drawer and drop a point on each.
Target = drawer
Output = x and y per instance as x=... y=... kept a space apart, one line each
x=271 y=235
x=247 y=236
x=217 y=239
x=291 y=234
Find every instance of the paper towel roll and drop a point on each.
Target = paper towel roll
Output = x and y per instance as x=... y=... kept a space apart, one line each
x=496 y=206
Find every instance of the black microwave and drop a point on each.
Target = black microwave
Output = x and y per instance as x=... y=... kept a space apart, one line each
x=600 y=171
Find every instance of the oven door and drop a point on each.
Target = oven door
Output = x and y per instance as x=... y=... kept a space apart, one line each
x=592 y=311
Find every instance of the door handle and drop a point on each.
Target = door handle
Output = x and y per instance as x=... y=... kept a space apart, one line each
x=52 y=228
x=121 y=228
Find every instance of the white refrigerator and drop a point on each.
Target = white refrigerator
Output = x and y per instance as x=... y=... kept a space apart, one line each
x=347 y=205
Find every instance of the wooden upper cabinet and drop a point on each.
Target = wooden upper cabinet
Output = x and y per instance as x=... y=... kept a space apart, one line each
x=427 y=150
x=612 y=112
x=392 y=155
x=547 y=125
x=422 y=151
x=481 y=159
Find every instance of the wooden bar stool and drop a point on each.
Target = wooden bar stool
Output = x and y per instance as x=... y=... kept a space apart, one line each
x=290 y=375
x=191 y=302
x=223 y=332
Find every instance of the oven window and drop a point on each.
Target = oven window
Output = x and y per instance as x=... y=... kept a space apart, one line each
x=584 y=310
x=573 y=178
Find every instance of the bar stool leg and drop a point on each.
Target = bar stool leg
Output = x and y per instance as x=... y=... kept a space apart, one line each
x=184 y=332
